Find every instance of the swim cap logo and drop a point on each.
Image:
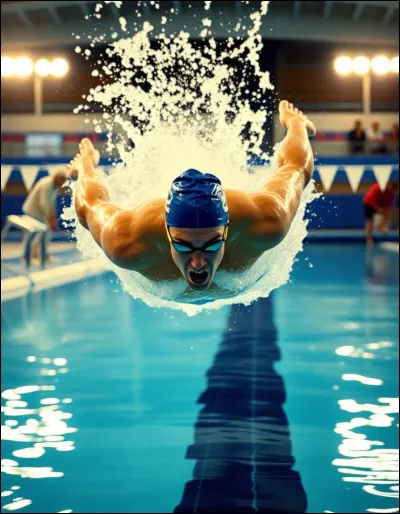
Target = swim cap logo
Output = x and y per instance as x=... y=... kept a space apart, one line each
x=168 y=202
x=224 y=202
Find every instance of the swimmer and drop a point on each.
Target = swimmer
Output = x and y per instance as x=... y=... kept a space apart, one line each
x=199 y=228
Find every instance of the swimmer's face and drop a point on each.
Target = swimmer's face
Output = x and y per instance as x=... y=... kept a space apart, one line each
x=197 y=267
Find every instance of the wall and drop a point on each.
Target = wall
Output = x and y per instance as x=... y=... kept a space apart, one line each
x=305 y=75
x=46 y=123
x=76 y=123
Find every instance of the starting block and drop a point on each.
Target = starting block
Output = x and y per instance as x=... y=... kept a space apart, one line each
x=32 y=229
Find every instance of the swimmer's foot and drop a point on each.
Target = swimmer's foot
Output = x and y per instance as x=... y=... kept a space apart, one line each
x=288 y=112
x=370 y=241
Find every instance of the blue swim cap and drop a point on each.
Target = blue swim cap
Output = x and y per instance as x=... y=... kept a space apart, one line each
x=196 y=200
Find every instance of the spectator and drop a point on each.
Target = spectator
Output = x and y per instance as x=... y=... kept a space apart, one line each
x=375 y=202
x=376 y=139
x=357 y=138
x=394 y=138
x=41 y=205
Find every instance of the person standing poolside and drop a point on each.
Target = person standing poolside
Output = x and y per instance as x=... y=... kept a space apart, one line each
x=199 y=228
x=375 y=202
x=40 y=204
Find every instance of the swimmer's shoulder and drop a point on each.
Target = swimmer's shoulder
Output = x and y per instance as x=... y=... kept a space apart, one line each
x=132 y=237
x=255 y=223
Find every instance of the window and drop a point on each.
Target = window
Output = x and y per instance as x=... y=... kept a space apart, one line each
x=43 y=145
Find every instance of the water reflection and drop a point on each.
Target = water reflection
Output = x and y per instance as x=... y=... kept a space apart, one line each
x=35 y=423
x=366 y=461
x=242 y=444
x=382 y=267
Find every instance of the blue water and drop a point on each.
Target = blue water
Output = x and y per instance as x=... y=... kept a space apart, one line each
x=288 y=405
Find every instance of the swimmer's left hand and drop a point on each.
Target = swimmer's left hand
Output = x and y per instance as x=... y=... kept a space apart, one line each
x=86 y=152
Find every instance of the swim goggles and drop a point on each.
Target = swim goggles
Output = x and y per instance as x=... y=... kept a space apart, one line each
x=211 y=246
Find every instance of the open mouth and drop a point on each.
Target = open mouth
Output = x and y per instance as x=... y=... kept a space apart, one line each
x=198 y=277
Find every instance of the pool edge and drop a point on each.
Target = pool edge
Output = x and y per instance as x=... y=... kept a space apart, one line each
x=15 y=287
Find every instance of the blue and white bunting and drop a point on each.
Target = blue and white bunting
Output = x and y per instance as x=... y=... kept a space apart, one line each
x=5 y=174
x=354 y=175
x=29 y=174
x=382 y=174
x=327 y=174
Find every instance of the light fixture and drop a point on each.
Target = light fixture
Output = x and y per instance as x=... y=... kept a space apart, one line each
x=361 y=65
x=59 y=67
x=394 y=64
x=23 y=67
x=380 y=65
x=7 y=67
x=343 y=65
x=43 y=67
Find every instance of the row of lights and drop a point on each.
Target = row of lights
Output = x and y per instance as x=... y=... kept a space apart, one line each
x=361 y=65
x=24 y=67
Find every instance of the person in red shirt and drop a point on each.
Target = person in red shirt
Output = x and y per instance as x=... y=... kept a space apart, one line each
x=377 y=201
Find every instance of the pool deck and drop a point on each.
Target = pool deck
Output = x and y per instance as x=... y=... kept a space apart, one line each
x=68 y=265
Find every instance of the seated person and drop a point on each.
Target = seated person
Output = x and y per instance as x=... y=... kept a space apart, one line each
x=376 y=139
x=394 y=138
x=357 y=138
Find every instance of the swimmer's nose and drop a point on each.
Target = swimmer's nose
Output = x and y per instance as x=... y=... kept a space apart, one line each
x=197 y=261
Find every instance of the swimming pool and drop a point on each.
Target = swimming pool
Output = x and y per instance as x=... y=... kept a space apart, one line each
x=290 y=404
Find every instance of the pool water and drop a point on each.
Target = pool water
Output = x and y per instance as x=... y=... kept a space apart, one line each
x=290 y=404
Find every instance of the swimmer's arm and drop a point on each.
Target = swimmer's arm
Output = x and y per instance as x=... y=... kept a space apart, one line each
x=92 y=200
x=112 y=228
x=272 y=209
x=125 y=235
x=282 y=194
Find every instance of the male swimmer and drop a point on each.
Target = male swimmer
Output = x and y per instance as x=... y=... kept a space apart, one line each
x=199 y=228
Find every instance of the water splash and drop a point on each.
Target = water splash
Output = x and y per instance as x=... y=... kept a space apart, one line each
x=176 y=104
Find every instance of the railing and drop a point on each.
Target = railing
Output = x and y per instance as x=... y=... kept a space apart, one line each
x=342 y=148
x=325 y=143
